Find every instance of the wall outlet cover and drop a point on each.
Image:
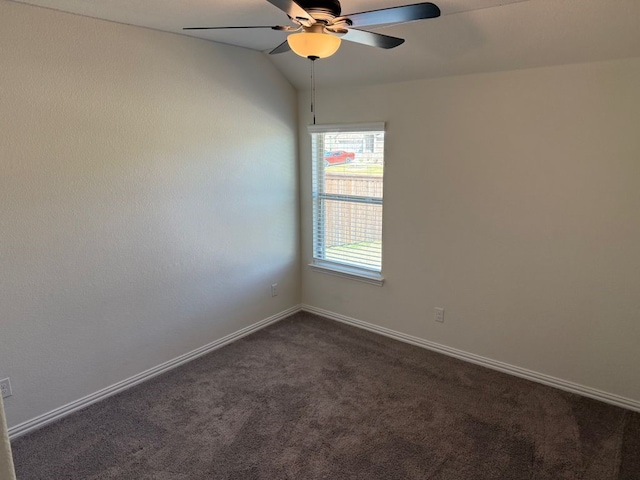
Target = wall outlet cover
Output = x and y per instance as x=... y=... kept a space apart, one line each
x=5 y=387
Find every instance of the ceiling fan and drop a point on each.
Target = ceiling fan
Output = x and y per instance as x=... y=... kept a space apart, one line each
x=318 y=27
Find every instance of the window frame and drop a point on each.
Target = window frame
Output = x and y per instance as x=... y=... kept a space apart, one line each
x=345 y=270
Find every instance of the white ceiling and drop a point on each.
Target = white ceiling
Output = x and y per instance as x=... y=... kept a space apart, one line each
x=471 y=36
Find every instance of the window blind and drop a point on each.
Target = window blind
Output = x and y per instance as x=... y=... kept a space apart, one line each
x=348 y=174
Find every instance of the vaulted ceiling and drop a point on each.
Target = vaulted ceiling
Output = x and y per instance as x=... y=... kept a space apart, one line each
x=471 y=36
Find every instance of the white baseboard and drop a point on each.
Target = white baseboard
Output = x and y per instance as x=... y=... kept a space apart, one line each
x=60 y=412
x=585 y=391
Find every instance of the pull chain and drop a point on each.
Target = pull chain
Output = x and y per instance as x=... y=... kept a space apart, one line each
x=313 y=88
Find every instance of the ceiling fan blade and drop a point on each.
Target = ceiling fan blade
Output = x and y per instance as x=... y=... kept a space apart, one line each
x=282 y=48
x=406 y=13
x=294 y=10
x=228 y=28
x=372 y=39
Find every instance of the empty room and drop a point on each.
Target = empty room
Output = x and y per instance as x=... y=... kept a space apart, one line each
x=282 y=239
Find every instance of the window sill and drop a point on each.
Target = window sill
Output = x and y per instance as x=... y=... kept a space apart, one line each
x=344 y=271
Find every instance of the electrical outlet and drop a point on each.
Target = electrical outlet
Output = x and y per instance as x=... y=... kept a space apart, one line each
x=5 y=388
x=439 y=314
x=274 y=290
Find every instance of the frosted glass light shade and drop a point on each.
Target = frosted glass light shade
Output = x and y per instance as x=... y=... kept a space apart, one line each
x=310 y=44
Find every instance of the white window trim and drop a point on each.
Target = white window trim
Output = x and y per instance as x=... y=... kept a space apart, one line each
x=347 y=127
x=339 y=269
x=346 y=271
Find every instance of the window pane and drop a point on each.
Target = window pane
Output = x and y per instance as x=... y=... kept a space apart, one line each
x=356 y=156
x=351 y=233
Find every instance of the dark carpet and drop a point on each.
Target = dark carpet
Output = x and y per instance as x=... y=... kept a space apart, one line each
x=308 y=398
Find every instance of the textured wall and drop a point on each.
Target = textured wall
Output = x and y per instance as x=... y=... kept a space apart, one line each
x=513 y=201
x=148 y=199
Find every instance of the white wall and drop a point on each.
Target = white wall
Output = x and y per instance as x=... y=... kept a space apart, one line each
x=513 y=201
x=148 y=199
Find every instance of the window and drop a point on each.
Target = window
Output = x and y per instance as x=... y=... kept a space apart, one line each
x=348 y=171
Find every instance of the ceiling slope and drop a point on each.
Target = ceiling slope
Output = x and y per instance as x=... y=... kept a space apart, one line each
x=471 y=36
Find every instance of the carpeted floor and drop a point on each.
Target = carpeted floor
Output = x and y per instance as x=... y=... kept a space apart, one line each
x=308 y=398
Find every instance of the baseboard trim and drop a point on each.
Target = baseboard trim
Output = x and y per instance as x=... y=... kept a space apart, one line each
x=60 y=412
x=559 y=383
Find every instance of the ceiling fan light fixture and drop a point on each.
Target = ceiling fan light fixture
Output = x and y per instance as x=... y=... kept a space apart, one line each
x=313 y=44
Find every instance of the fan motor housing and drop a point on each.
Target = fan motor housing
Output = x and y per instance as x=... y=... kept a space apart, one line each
x=321 y=8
